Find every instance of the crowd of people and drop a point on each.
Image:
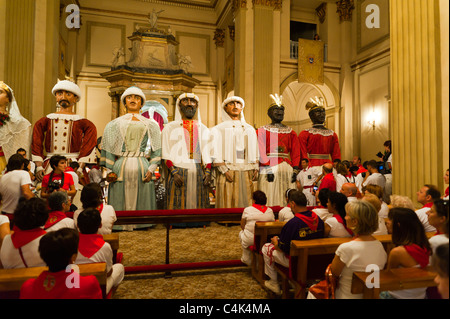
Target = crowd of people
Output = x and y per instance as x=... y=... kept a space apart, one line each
x=323 y=196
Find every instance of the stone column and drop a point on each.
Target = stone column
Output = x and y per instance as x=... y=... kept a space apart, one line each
x=416 y=96
x=17 y=43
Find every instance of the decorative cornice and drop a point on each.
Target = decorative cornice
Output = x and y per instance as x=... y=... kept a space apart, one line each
x=321 y=11
x=345 y=8
x=184 y=4
x=239 y=4
x=219 y=37
x=276 y=4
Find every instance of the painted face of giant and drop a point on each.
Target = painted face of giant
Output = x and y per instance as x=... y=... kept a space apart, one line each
x=276 y=113
x=318 y=116
x=188 y=107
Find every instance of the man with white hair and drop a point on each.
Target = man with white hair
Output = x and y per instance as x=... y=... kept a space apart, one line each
x=186 y=153
x=63 y=132
x=235 y=156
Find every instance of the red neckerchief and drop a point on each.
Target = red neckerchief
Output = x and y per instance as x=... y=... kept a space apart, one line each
x=22 y=237
x=69 y=169
x=341 y=221
x=312 y=221
x=446 y=192
x=420 y=254
x=429 y=205
x=261 y=208
x=89 y=244
x=53 y=218
x=100 y=208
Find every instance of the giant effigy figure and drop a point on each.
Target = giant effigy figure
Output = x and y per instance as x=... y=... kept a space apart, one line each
x=186 y=154
x=279 y=153
x=63 y=132
x=318 y=144
x=235 y=156
x=126 y=143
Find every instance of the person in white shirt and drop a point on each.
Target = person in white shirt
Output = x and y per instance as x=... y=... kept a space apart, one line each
x=305 y=181
x=341 y=176
x=21 y=248
x=257 y=212
x=14 y=184
x=59 y=204
x=336 y=226
x=350 y=190
x=322 y=210
x=438 y=218
x=426 y=195
x=375 y=178
x=377 y=191
x=285 y=214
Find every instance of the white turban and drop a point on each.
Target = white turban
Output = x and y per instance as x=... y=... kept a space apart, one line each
x=225 y=116
x=130 y=91
x=68 y=86
x=234 y=99
x=178 y=116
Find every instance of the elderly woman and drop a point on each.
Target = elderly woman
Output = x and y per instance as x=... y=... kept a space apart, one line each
x=15 y=130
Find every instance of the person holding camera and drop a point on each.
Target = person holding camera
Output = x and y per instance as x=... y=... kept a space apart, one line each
x=374 y=177
x=58 y=179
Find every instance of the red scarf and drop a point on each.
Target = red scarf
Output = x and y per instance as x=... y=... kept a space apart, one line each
x=22 y=237
x=446 y=192
x=341 y=221
x=420 y=254
x=69 y=169
x=429 y=205
x=100 y=208
x=53 y=218
x=312 y=221
x=261 y=208
x=89 y=244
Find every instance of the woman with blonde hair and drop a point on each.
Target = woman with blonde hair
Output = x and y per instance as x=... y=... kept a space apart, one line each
x=376 y=202
x=364 y=250
x=401 y=201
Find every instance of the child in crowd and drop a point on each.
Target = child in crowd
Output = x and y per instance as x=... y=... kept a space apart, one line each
x=285 y=214
x=59 y=249
x=257 y=212
x=92 y=248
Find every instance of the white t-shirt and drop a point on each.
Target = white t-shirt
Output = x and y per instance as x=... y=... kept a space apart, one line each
x=357 y=255
x=108 y=215
x=337 y=229
x=340 y=180
x=253 y=215
x=375 y=179
x=285 y=214
x=322 y=213
x=438 y=240
x=4 y=219
x=63 y=223
x=10 y=256
x=10 y=188
x=423 y=217
x=384 y=211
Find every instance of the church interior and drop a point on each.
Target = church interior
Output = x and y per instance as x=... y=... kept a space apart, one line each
x=380 y=66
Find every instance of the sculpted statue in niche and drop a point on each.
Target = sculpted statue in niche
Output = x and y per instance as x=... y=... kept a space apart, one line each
x=153 y=18
x=185 y=63
x=118 y=57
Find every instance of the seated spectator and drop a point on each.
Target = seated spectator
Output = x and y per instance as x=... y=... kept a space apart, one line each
x=327 y=179
x=374 y=177
x=285 y=214
x=341 y=176
x=58 y=179
x=59 y=249
x=401 y=201
x=438 y=218
x=375 y=201
x=305 y=225
x=378 y=191
x=322 y=200
x=350 y=191
x=440 y=265
x=14 y=184
x=412 y=249
x=336 y=226
x=255 y=213
x=92 y=197
x=4 y=228
x=426 y=196
x=93 y=249
x=360 y=252
x=20 y=249
x=59 y=205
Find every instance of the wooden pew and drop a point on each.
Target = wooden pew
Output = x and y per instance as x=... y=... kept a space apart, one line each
x=263 y=232
x=113 y=240
x=309 y=259
x=11 y=280
x=394 y=279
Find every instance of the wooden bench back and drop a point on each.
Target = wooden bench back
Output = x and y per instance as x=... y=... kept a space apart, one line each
x=11 y=280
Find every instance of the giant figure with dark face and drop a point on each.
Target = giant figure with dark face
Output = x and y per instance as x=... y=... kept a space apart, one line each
x=186 y=155
x=279 y=152
x=318 y=144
